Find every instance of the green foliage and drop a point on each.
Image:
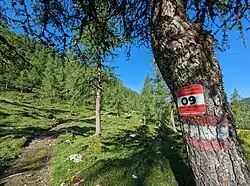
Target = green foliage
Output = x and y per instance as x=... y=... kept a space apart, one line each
x=78 y=87
x=53 y=81
x=162 y=98
x=247 y=101
x=22 y=63
x=22 y=80
x=156 y=98
x=10 y=148
x=127 y=20
x=56 y=77
x=113 y=98
x=245 y=140
x=119 y=99
x=147 y=98
x=241 y=111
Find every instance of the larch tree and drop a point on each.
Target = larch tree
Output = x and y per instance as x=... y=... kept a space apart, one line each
x=147 y=99
x=162 y=97
x=96 y=42
x=183 y=43
x=184 y=52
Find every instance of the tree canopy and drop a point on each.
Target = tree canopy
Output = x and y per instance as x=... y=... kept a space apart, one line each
x=55 y=23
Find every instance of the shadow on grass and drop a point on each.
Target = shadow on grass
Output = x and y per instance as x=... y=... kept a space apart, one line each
x=12 y=129
x=74 y=130
x=27 y=132
x=31 y=133
x=164 y=150
x=90 y=120
x=25 y=166
x=3 y=114
x=34 y=132
x=52 y=111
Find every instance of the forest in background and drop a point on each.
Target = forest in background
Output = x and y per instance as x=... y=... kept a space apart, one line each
x=29 y=66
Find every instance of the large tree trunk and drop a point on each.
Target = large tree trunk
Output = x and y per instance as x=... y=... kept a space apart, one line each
x=185 y=56
x=98 y=98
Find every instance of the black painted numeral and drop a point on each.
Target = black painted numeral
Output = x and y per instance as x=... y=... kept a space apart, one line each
x=184 y=101
x=191 y=100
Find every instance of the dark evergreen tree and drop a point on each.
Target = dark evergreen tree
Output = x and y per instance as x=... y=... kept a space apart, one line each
x=162 y=98
x=147 y=99
x=49 y=83
x=78 y=87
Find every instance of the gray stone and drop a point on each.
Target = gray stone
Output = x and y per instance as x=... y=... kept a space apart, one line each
x=76 y=158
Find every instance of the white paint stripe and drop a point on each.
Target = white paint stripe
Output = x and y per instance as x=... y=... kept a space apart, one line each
x=199 y=100
x=207 y=132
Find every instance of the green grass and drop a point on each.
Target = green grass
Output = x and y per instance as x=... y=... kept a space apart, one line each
x=127 y=148
x=10 y=148
x=245 y=140
x=25 y=117
x=154 y=154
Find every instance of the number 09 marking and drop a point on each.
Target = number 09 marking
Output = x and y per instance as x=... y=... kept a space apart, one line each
x=188 y=100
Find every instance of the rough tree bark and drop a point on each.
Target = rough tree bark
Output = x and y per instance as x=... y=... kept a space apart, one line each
x=185 y=56
x=98 y=98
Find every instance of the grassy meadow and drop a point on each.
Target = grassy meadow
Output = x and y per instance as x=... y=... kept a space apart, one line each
x=127 y=153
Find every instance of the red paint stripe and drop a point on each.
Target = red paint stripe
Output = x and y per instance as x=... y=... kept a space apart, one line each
x=192 y=110
x=187 y=108
x=190 y=90
x=208 y=145
x=205 y=120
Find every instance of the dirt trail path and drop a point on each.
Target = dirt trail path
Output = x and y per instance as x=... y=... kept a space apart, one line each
x=32 y=168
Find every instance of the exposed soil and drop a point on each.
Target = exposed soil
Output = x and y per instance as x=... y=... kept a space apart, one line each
x=32 y=168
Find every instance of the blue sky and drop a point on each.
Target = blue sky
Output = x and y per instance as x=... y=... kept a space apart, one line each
x=133 y=71
x=235 y=65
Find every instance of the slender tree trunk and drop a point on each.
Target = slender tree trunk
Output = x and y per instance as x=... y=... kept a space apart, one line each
x=144 y=120
x=98 y=98
x=172 y=122
x=185 y=56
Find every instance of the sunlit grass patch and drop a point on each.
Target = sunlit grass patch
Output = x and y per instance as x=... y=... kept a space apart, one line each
x=24 y=117
x=10 y=148
x=128 y=153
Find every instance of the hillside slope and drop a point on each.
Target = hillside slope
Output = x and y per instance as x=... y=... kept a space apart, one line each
x=246 y=100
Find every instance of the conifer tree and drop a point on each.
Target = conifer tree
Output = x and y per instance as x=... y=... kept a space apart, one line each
x=147 y=99
x=22 y=81
x=48 y=88
x=161 y=97
x=78 y=89
x=241 y=111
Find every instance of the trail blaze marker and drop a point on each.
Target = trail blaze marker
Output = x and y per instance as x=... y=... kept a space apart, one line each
x=190 y=100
